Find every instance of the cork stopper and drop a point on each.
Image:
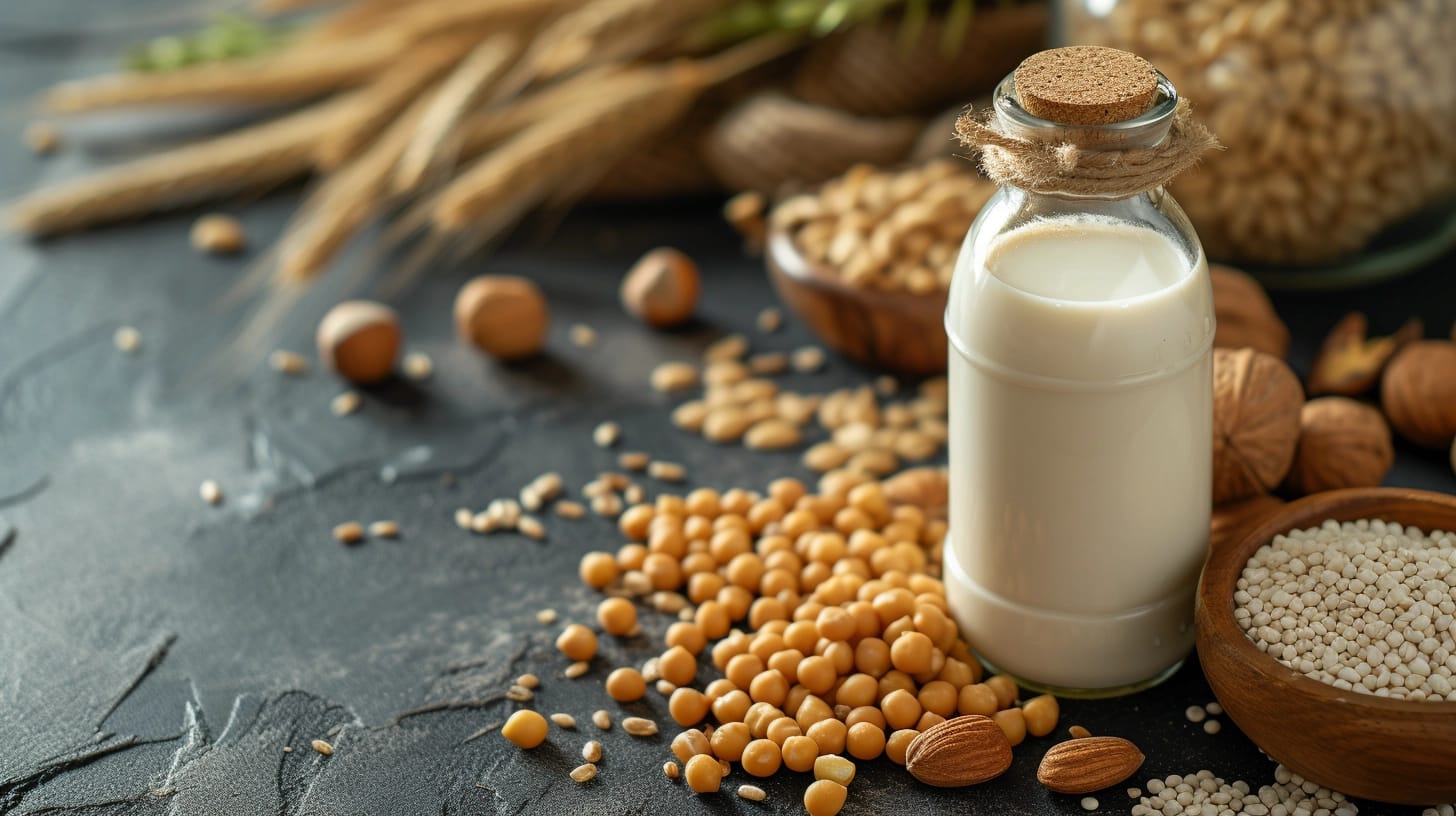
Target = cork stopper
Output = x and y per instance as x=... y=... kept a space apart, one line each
x=1086 y=85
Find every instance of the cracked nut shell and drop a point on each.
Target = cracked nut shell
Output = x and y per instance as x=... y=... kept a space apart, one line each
x=1256 y=403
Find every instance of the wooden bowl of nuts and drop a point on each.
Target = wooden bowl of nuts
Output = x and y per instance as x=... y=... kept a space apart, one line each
x=866 y=261
x=1297 y=700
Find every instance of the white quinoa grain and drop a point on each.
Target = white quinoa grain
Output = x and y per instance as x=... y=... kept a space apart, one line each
x=1212 y=727
x=1089 y=803
x=1195 y=714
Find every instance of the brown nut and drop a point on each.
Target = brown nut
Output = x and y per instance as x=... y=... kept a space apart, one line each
x=1244 y=314
x=360 y=340
x=1349 y=364
x=1418 y=393
x=1231 y=520
x=1256 y=402
x=662 y=288
x=963 y=751
x=1342 y=443
x=502 y=315
x=1088 y=764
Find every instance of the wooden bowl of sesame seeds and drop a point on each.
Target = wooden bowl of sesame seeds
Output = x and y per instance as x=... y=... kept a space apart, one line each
x=1373 y=747
x=890 y=330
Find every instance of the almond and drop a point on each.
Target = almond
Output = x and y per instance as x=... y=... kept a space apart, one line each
x=1088 y=764
x=959 y=752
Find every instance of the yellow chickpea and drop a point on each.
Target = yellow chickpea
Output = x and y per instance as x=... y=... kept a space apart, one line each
x=796 y=698
x=802 y=635
x=687 y=635
x=687 y=706
x=731 y=707
x=787 y=663
x=631 y=557
x=958 y=674
x=938 y=696
x=817 y=674
x=865 y=713
x=704 y=583
x=525 y=728
x=787 y=490
x=813 y=574
x=781 y=729
x=634 y=521
x=872 y=656
x=759 y=716
x=725 y=650
x=857 y=690
x=713 y=619
x=617 y=616
x=729 y=740
x=1012 y=723
x=896 y=680
x=702 y=502
x=828 y=734
x=663 y=570
x=893 y=604
x=824 y=798
x=765 y=610
x=703 y=774
x=899 y=743
x=761 y=758
x=718 y=688
x=689 y=744
x=865 y=741
x=598 y=569
x=742 y=669
x=667 y=539
x=769 y=686
x=928 y=719
x=626 y=684
x=766 y=644
x=811 y=711
x=736 y=600
x=1041 y=714
x=835 y=623
x=577 y=642
x=778 y=579
x=799 y=753
x=678 y=666
x=897 y=628
x=977 y=698
x=1005 y=689
x=725 y=545
x=841 y=655
x=900 y=708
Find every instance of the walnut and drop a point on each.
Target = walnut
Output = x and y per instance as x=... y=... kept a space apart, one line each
x=1342 y=443
x=1244 y=315
x=1418 y=393
x=925 y=487
x=1350 y=364
x=1256 y=400
x=1232 y=520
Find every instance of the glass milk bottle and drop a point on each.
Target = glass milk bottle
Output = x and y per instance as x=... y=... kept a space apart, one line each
x=1081 y=328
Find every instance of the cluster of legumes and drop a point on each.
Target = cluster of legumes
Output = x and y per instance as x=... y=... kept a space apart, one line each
x=888 y=230
x=866 y=434
x=1203 y=794
x=1365 y=605
x=847 y=652
x=1337 y=115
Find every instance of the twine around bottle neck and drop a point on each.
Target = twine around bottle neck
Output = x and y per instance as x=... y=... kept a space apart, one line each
x=1069 y=169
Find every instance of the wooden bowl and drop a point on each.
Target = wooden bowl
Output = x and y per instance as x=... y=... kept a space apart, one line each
x=1372 y=747
x=894 y=331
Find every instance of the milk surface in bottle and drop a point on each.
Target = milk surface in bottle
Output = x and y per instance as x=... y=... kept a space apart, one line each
x=1080 y=428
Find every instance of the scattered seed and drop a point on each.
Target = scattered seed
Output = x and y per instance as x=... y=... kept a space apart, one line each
x=345 y=403
x=1134 y=793
x=210 y=492
x=669 y=769
x=752 y=793
x=570 y=509
x=530 y=499
x=418 y=365
x=634 y=494
x=602 y=719
x=1089 y=803
x=731 y=347
x=546 y=617
x=1195 y=714
x=652 y=669
x=686 y=613
x=218 y=234
x=384 y=529
x=42 y=138
x=287 y=362
x=770 y=320
x=669 y=602
x=350 y=532
x=807 y=359
x=608 y=505
x=592 y=751
x=529 y=681
x=1212 y=727
x=666 y=471
x=670 y=377
x=576 y=670
x=666 y=687
x=1213 y=709
x=1078 y=732
x=519 y=694
x=531 y=527
x=127 y=339
x=772 y=434
x=322 y=747
x=564 y=720
x=772 y=362
x=607 y=434
x=886 y=386
x=288 y=749
x=483 y=522
x=463 y=518
x=582 y=335
x=636 y=582
x=633 y=460
x=639 y=726
x=582 y=774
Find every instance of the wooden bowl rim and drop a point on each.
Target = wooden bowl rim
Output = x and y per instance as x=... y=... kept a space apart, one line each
x=1218 y=600
x=782 y=253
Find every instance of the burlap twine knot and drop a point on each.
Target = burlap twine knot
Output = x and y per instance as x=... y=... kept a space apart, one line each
x=1046 y=167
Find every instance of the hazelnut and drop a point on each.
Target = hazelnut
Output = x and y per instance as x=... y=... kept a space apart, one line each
x=502 y=315
x=1418 y=393
x=661 y=289
x=1244 y=315
x=1342 y=443
x=1350 y=364
x=360 y=340
x=925 y=487
x=1231 y=521
x=1256 y=401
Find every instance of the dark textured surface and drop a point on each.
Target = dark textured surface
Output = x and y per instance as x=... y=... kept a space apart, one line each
x=157 y=654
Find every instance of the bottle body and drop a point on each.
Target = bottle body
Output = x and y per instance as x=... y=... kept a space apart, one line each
x=1081 y=417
